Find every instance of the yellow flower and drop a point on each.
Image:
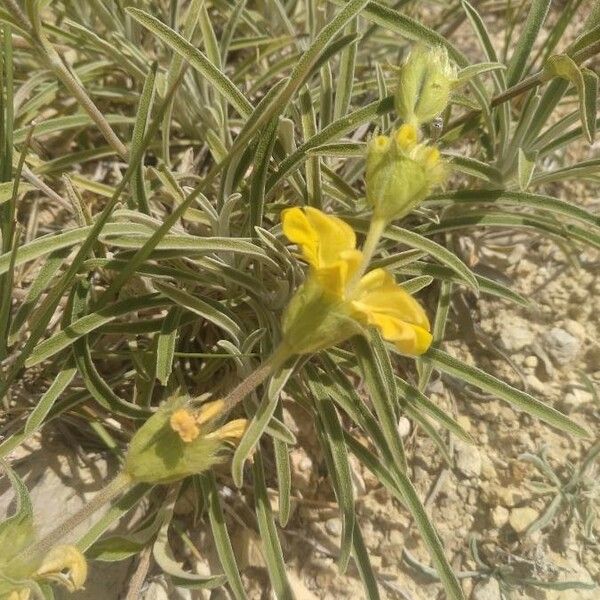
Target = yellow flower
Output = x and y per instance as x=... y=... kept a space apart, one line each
x=21 y=594
x=180 y=440
x=400 y=173
x=184 y=423
x=65 y=565
x=331 y=306
x=425 y=82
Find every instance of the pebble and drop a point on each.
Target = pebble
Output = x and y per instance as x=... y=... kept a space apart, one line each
x=403 y=427
x=562 y=346
x=516 y=336
x=487 y=590
x=575 y=329
x=334 y=526
x=499 y=517
x=521 y=518
x=302 y=469
x=531 y=361
x=509 y=496
x=248 y=549
x=535 y=384
x=576 y=398
x=468 y=459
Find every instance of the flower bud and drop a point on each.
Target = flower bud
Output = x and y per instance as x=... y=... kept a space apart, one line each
x=400 y=173
x=424 y=85
x=180 y=440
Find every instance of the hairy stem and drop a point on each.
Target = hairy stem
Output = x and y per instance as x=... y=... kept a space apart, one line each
x=376 y=229
x=242 y=389
x=119 y=484
x=523 y=86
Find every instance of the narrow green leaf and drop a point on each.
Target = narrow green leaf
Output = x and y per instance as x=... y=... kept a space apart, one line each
x=165 y=346
x=89 y=323
x=403 y=489
x=488 y=383
x=195 y=58
x=332 y=437
x=375 y=367
x=518 y=61
x=268 y=534
x=258 y=424
x=221 y=535
x=209 y=309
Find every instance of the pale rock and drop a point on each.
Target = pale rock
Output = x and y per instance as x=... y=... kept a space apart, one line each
x=464 y=422
x=358 y=483
x=403 y=427
x=499 y=517
x=534 y=384
x=576 y=398
x=486 y=590
x=576 y=329
x=531 y=361
x=562 y=346
x=509 y=496
x=334 y=526
x=516 y=335
x=521 y=518
x=468 y=459
x=488 y=471
x=302 y=470
x=299 y=589
x=248 y=549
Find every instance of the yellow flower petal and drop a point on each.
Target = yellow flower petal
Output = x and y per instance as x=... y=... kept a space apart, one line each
x=321 y=237
x=231 y=431
x=334 y=278
x=380 y=302
x=210 y=411
x=183 y=422
x=66 y=565
x=406 y=136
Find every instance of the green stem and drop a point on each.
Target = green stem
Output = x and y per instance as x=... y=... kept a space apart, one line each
x=40 y=548
x=376 y=229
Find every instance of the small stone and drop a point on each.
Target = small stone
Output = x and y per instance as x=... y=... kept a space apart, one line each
x=535 y=384
x=403 y=427
x=302 y=470
x=499 y=517
x=248 y=549
x=531 y=361
x=488 y=471
x=464 y=422
x=562 y=346
x=468 y=459
x=516 y=336
x=334 y=526
x=521 y=518
x=486 y=590
x=576 y=329
x=509 y=496
x=576 y=398
x=299 y=589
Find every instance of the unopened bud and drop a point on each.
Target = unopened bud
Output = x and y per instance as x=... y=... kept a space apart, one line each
x=424 y=85
x=400 y=173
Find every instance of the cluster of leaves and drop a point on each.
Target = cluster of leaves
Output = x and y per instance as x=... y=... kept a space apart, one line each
x=165 y=137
